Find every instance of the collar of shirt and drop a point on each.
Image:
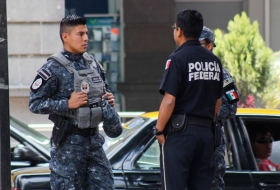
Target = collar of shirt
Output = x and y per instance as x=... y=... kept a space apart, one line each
x=72 y=56
x=190 y=43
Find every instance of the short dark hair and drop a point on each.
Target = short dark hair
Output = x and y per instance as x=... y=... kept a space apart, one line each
x=70 y=21
x=191 y=22
x=256 y=130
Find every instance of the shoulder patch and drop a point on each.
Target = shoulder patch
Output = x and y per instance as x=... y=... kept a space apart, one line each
x=167 y=65
x=44 y=74
x=37 y=83
x=231 y=93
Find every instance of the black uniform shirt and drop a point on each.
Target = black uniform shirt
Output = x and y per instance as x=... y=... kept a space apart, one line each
x=194 y=76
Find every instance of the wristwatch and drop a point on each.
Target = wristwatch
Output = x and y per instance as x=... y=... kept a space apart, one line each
x=156 y=132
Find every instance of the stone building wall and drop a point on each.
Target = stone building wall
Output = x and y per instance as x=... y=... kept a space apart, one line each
x=33 y=35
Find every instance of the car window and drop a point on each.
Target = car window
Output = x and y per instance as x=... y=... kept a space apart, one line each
x=275 y=156
x=30 y=133
x=128 y=128
x=227 y=158
x=150 y=158
x=252 y=125
x=228 y=148
x=13 y=142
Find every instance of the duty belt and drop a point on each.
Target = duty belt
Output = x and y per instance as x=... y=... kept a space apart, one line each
x=74 y=130
x=70 y=128
x=199 y=121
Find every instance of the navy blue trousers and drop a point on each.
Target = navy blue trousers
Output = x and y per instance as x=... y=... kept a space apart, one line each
x=187 y=159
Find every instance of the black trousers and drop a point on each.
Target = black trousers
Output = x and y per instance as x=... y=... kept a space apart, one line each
x=187 y=159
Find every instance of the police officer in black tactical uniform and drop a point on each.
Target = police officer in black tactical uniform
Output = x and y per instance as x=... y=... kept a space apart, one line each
x=192 y=87
x=71 y=88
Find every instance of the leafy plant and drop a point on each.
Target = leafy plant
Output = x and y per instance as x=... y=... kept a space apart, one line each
x=244 y=54
x=271 y=97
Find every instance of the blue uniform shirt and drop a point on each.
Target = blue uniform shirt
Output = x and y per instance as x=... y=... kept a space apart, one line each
x=53 y=85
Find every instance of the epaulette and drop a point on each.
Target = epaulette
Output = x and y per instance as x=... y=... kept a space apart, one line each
x=44 y=73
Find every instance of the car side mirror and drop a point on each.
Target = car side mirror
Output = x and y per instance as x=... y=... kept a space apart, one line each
x=26 y=153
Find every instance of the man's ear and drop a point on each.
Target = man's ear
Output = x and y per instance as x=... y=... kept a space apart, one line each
x=210 y=46
x=65 y=37
x=180 y=32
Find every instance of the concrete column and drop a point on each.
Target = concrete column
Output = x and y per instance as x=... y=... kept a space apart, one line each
x=148 y=40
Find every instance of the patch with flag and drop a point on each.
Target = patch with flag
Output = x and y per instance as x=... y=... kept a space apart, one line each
x=232 y=95
x=167 y=65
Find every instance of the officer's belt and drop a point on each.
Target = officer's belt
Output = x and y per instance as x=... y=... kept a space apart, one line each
x=72 y=129
x=199 y=121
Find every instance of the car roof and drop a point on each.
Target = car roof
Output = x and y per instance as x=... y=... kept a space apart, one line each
x=258 y=111
x=240 y=111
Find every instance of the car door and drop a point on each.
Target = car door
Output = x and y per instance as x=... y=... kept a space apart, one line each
x=238 y=175
x=141 y=169
x=264 y=179
x=28 y=147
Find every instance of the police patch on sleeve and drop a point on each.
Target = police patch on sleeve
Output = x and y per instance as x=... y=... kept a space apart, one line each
x=167 y=65
x=231 y=93
x=42 y=76
x=37 y=83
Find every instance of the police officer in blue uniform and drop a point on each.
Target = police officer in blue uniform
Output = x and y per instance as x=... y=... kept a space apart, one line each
x=192 y=88
x=228 y=110
x=70 y=88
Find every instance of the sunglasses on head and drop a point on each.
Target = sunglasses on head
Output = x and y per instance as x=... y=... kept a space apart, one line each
x=264 y=140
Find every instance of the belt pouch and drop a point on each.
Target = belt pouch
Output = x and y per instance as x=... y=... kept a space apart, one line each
x=217 y=134
x=177 y=123
x=83 y=117
x=96 y=116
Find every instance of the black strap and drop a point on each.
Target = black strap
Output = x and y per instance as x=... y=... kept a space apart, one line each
x=83 y=132
x=199 y=121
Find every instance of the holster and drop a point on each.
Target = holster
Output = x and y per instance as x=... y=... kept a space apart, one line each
x=59 y=130
x=62 y=128
x=217 y=133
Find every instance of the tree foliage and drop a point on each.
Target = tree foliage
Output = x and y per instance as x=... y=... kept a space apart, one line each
x=271 y=97
x=244 y=54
